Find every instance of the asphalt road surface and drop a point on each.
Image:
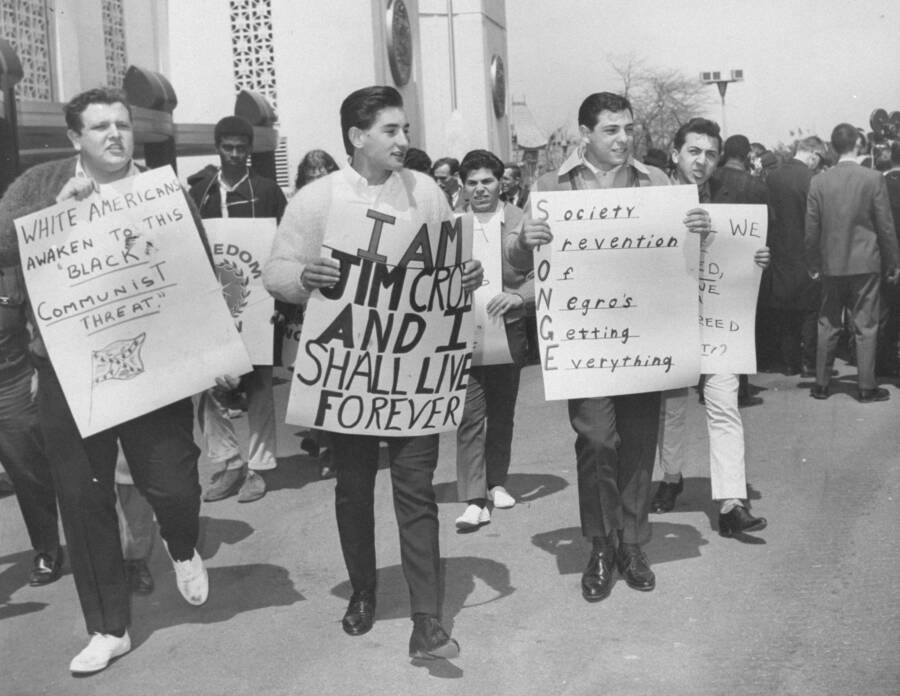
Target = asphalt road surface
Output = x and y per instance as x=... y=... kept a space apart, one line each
x=812 y=607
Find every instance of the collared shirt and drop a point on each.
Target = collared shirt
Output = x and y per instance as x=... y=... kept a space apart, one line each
x=225 y=189
x=80 y=170
x=577 y=167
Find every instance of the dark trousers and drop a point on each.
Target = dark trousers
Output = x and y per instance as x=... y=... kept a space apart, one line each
x=22 y=455
x=412 y=463
x=162 y=456
x=796 y=331
x=615 y=449
x=861 y=294
x=484 y=437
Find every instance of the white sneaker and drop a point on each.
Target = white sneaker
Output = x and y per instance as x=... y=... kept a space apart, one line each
x=98 y=653
x=473 y=517
x=501 y=497
x=192 y=579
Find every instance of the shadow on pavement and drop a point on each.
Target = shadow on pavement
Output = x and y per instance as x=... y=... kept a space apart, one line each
x=670 y=542
x=14 y=578
x=459 y=575
x=215 y=531
x=232 y=591
x=523 y=487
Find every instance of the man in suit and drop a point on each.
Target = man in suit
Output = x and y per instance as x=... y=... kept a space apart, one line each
x=792 y=295
x=889 y=328
x=511 y=189
x=849 y=240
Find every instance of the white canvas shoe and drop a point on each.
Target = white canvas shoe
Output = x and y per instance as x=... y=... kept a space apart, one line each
x=473 y=517
x=501 y=497
x=99 y=652
x=192 y=579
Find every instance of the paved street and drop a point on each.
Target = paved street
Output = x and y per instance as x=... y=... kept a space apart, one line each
x=812 y=608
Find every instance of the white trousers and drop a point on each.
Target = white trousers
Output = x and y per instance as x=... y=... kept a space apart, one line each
x=727 y=464
x=222 y=446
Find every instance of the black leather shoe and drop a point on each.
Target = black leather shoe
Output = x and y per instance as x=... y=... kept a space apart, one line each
x=140 y=581
x=738 y=520
x=634 y=567
x=429 y=640
x=596 y=581
x=360 y=613
x=45 y=568
x=666 y=493
x=819 y=392
x=869 y=395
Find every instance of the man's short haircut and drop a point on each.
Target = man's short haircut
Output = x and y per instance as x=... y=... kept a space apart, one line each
x=514 y=168
x=812 y=143
x=417 y=160
x=234 y=126
x=736 y=147
x=758 y=148
x=480 y=159
x=360 y=109
x=451 y=162
x=844 y=138
x=590 y=109
x=700 y=126
x=99 y=95
x=895 y=153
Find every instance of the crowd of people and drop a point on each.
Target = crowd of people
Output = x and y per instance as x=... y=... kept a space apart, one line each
x=831 y=261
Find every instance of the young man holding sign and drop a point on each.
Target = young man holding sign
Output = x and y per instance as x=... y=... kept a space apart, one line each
x=159 y=445
x=616 y=436
x=696 y=154
x=384 y=195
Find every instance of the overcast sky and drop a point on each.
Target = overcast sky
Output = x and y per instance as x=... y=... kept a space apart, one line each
x=807 y=63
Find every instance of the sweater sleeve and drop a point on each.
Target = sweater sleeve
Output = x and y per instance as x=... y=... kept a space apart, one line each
x=298 y=242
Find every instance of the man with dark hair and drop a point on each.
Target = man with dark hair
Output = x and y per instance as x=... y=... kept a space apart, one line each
x=485 y=432
x=511 y=188
x=234 y=191
x=616 y=436
x=792 y=295
x=159 y=445
x=850 y=239
x=418 y=160
x=695 y=163
x=445 y=172
x=375 y=130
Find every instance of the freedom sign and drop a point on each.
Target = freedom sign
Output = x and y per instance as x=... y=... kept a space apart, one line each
x=387 y=350
x=126 y=300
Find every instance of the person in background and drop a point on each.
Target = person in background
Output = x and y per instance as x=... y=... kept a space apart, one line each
x=314 y=165
x=445 y=172
x=484 y=437
x=418 y=160
x=512 y=190
x=234 y=191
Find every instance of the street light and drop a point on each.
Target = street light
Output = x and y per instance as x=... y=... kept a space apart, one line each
x=720 y=80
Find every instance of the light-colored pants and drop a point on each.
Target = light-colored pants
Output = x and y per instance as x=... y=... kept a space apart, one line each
x=222 y=446
x=727 y=465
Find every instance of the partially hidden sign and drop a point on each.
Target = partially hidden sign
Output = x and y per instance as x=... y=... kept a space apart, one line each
x=617 y=291
x=387 y=350
x=240 y=247
x=126 y=300
x=729 y=286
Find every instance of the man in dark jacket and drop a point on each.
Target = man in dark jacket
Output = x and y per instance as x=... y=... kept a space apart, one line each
x=791 y=294
x=849 y=240
x=234 y=191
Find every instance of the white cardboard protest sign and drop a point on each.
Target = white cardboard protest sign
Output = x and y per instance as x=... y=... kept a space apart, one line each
x=240 y=248
x=729 y=286
x=489 y=343
x=387 y=350
x=126 y=300
x=617 y=291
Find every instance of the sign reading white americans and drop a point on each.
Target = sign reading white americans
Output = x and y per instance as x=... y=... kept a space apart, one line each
x=126 y=300
x=387 y=350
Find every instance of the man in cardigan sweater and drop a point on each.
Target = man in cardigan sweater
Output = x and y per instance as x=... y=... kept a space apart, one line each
x=159 y=446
